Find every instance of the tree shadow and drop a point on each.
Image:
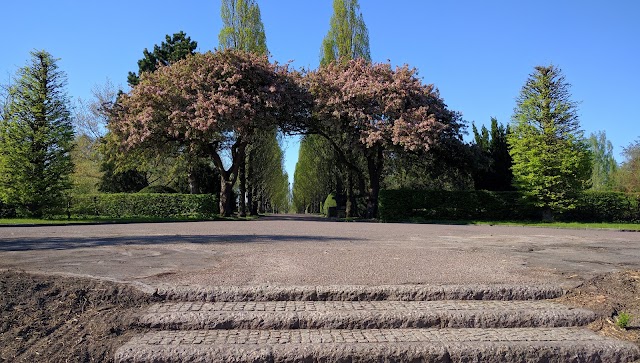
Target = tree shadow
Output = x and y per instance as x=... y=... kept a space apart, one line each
x=67 y=243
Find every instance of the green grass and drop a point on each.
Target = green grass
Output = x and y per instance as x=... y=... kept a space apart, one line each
x=569 y=225
x=104 y=220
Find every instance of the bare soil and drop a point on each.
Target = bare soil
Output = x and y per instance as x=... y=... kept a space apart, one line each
x=609 y=295
x=65 y=319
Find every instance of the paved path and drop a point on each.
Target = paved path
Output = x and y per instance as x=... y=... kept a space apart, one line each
x=298 y=250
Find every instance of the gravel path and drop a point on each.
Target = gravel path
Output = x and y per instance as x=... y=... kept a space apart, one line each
x=301 y=250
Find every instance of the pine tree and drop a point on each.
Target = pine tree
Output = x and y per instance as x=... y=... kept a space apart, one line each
x=174 y=48
x=551 y=161
x=36 y=138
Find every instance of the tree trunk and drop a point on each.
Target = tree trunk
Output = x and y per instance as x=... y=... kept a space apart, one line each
x=250 y=187
x=194 y=186
x=226 y=197
x=547 y=215
x=228 y=177
x=242 y=188
x=374 y=163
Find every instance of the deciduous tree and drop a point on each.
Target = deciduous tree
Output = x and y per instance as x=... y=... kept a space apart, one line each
x=380 y=108
x=551 y=160
x=604 y=164
x=209 y=104
x=36 y=138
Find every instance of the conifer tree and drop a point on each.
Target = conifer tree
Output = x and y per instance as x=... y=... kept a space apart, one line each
x=36 y=138
x=551 y=160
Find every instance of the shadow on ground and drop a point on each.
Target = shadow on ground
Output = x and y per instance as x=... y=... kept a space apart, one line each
x=34 y=244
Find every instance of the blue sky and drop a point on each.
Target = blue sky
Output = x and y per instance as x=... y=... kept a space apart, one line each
x=478 y=53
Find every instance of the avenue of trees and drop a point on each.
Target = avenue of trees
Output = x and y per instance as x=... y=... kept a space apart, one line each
x=213 y=123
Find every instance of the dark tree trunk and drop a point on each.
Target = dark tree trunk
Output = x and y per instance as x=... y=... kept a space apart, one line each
x=374 y=163
x=250 y=187
x=226 y=197
x=351 y=209
x=242 y=188
x=194 y=185
x=228 y=177
x=547 y=215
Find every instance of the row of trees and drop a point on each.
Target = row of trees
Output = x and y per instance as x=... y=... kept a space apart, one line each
x=206 y=122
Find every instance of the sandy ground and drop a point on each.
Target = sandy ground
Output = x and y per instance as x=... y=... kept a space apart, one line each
x=299 y=250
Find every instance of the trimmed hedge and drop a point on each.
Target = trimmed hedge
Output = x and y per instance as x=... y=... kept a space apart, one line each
x=399 y=205
x=605 y=207
x=128 y=205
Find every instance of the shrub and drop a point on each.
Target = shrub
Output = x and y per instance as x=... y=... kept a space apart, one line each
x=453 y=205
x=328 y=203
x=157 y=189
x=605 y=207
x=127 y=205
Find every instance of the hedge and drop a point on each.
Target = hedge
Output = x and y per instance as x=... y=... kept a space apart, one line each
x=398 y=205
x=128 y=205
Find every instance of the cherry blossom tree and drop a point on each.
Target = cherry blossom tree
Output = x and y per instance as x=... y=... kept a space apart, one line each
x=211 y=105
x=372 y=108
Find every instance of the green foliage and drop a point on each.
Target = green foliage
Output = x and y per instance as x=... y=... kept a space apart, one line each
x=551 y=161
x=348 y=37
x=36 y=138
x=315 y=174
x=493 y=170
x=627 y=177
x=158 y=189
x=594 y=206
x=242 y=27
x=604 y=164
x=398 y=205
x=174 y=48
x=86 y=157
x=129 y=205
x=329 y=202
x=623 y=319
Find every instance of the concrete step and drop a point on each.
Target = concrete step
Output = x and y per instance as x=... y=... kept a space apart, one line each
x=378 y=345
x=358 y=293
x=362 y=315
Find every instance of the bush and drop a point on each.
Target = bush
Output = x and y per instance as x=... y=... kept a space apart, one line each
x=453 y=205
x=605 y=207
x=397 y=205
x=158 y=189
x=328 y=203
x=7 y=211
x=128 y=205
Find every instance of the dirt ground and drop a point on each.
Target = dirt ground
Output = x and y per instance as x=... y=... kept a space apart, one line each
x=67 y=319
x=609 y=295
x=64 y=319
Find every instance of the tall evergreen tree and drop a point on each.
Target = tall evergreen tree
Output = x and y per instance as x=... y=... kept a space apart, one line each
x=243 y=29
x=494 y=169
x=36 y=138
x=174 y=48
x=551 y=160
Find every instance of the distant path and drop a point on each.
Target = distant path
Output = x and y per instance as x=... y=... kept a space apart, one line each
x=309 y=250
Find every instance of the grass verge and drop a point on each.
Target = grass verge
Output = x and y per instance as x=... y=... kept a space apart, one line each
x=98 y=220
x=569 y=225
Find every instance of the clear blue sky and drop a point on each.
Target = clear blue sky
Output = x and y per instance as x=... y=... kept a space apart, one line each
x=478 y=53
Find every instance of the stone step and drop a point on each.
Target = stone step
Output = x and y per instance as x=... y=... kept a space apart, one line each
x=362 y=315
x=382 y=345
x=358 y=293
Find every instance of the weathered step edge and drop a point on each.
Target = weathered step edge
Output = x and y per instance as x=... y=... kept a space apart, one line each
x=578 y=351
x=358 y=293
x=374 y=319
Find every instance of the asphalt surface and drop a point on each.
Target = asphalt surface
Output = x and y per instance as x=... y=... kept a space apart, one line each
x=302 y=250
